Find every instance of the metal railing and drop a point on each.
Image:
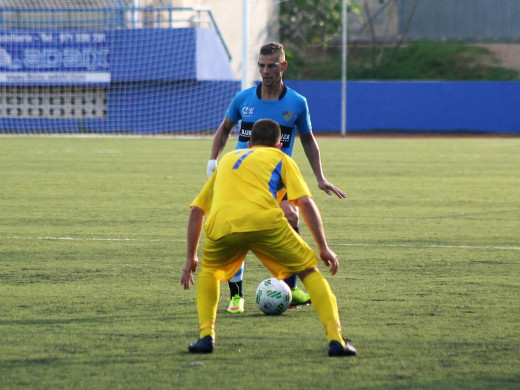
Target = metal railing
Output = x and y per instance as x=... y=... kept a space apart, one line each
x=108 y=18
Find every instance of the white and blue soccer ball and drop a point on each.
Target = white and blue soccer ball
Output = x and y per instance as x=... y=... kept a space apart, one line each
x=273 y=296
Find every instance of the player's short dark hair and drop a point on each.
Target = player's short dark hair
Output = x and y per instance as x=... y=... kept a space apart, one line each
x=266 y=132
x=273 y=48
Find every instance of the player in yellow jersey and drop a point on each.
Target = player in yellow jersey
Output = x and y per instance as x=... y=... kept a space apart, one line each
x=242 y=215
x=272 y=99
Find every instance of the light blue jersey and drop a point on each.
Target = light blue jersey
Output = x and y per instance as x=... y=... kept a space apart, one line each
x=290 y=111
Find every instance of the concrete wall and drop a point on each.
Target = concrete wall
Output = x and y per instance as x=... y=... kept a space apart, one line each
x=463 y=20
x=263 y=16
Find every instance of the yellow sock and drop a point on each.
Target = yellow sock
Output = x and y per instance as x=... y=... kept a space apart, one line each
x=324 y=302
x=208 y=294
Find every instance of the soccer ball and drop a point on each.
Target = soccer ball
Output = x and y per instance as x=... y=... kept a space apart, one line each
x=273 y=296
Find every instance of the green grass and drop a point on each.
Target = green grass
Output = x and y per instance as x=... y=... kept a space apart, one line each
x=92 y=245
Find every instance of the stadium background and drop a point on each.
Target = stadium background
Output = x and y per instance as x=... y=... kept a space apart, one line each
x=93 y=228
x=172 y=67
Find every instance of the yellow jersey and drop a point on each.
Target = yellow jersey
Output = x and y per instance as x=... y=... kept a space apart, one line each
x=240 y=196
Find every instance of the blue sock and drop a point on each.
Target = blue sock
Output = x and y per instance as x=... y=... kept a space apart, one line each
x=235 y=288
x=235 y=284
x=291 y=280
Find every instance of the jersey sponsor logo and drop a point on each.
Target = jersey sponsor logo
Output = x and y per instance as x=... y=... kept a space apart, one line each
x=247 y=111
x=245 y=131
x=286 y=140
x=287 y=133
x=287 y=115
x=244 y=135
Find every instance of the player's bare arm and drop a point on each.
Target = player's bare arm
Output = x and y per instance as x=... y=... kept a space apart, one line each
x=221 y=137
x=312 y=218
x=312 y=151
x=219 y=142
x=194 y=231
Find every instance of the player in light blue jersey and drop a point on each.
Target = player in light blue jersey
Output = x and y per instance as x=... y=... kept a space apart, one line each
x=272 y=99
x=290 y=111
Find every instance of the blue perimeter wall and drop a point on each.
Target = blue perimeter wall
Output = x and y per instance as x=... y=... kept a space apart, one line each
x=426 y=106
x=184 y=83
x=161 y=80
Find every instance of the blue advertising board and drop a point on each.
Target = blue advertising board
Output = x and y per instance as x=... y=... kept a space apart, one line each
x=156 y=80
x=54 y=57
x=45 y=57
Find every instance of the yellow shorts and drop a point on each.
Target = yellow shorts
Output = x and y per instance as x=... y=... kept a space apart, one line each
x=282 y=251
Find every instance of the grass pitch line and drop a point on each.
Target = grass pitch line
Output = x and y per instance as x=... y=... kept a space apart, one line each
x=48 y=238
x=432 y=246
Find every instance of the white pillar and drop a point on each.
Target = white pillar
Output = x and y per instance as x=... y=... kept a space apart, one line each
x=344 y=71
x=245 y=44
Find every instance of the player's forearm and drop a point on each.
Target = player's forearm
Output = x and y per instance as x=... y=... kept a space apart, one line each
x=194 y=231
x=312 y=218
x=312 y=151
x=219 y=142
x=220 y=139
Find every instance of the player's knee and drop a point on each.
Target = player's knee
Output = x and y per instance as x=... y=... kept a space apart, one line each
x=302 y=275
x=293 y=217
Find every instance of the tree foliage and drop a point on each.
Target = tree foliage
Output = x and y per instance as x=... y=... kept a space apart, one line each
x=312 y=23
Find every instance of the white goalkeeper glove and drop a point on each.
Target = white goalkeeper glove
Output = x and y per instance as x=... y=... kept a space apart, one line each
x=212 y=165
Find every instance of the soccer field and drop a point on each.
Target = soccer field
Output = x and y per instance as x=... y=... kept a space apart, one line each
x=92 y=245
